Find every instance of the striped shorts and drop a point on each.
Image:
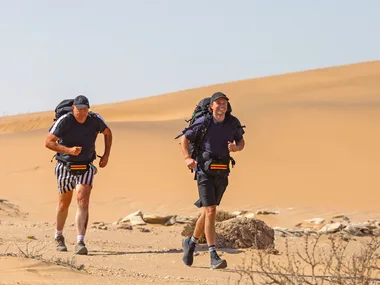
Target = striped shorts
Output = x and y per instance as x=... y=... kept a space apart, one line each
x=67 y=182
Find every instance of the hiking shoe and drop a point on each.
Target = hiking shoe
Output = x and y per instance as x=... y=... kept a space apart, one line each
x=217 y=262
x=81 y=248
x=60 y=243
x=188 y=252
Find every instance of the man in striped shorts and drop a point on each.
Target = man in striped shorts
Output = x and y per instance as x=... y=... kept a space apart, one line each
x=73 y=137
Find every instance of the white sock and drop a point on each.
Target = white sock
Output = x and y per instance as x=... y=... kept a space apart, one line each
x=80 y=238
x=57 y=233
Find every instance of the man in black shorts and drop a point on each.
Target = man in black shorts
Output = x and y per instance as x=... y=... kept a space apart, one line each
x=73 y=137
x=224 y=135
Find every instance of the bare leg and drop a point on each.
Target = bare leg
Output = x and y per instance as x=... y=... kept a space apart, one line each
x=64 y=201
x=83 y=198
x=200 y=225
x=210 y=214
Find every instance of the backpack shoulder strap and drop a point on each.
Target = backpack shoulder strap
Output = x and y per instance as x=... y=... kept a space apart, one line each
x=235 y=123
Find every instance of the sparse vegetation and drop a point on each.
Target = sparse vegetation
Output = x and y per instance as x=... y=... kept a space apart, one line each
x=316 y=264
x=36 y=252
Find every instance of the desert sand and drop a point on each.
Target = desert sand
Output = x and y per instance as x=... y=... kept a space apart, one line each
x=311 y=151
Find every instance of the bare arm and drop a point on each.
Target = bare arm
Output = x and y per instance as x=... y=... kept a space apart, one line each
x=185 y=146
x=107 y=141
x=233 y=147
x=240 y=145
x=107 y=147
x=51 y=142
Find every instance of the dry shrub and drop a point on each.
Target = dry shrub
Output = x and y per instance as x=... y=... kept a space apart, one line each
x=316 y=264
x=36 y=252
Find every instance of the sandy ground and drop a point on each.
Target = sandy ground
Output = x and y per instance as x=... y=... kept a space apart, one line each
x=311 y=151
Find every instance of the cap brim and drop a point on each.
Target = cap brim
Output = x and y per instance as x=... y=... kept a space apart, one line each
x=225 y=97
x=82 y=106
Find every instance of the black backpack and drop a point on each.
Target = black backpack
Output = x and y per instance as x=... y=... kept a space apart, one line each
x=202 y=110
x=63 y=107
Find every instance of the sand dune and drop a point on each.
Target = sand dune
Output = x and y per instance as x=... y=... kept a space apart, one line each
x=312 y=150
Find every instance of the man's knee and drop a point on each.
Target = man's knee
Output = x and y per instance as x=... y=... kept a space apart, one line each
x=63 y=206
x=210 y=211
x=83 y=194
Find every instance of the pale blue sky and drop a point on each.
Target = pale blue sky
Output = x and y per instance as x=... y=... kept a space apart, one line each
x=119 y=50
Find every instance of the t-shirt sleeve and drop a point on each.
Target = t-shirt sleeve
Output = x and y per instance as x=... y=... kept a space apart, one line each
x=101 y=123
x=60 y=127
x=239 y=132
x=191 y=132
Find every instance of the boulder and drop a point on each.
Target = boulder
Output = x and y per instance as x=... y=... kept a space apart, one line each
x=244 y=233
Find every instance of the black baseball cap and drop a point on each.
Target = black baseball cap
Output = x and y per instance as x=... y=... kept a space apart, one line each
x=81 y=102
x=218 y=95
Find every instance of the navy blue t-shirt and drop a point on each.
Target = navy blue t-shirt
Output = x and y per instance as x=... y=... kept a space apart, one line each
x=72 y=133
x=218 y=135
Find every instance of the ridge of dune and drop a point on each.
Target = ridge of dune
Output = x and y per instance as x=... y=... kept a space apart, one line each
x=304 y=85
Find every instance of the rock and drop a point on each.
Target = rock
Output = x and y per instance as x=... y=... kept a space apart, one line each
x=315 y=221
x=343 y=217
x=315 y=224
x=238 y=213
x=249 y=215
x=171 y=222
x=156 y=219
x=359 y=229
x=128 y=218
x=332 y=228
x=144 y=230
x=137 y=221
x=244 y=233
x=265 y=212
x=125 y=227
x=282 y=232
x=222 y=216
x=183 y=220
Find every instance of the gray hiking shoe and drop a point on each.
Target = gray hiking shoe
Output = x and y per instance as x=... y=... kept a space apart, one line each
x=81 y=248
x=60 y=243
x=217 y=262
x=188 y=252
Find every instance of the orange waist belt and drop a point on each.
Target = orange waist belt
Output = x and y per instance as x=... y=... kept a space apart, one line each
x=219 y=166
x=78 y=167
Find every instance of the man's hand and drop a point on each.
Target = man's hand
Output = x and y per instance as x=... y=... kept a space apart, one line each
x=190 y=163
x=103 y=161
x=75 y=150
x=232 y=147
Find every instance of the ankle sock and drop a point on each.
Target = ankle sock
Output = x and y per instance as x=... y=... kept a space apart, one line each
x=80 y=238
x=211 y=249
x=193 y=241
x=57 y=233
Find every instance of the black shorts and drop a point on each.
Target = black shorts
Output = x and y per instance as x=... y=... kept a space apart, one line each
x=210 y=189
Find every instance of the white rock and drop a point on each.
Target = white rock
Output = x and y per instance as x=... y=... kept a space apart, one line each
x=128 y=218
x=137 y=221
x=238 y=213
x=315 y=221
x=265 y=212
x=249 y=215
x=331 y=228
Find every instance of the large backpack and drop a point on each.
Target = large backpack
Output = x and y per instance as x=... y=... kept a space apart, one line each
x=202 y=110
x=63 y=107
